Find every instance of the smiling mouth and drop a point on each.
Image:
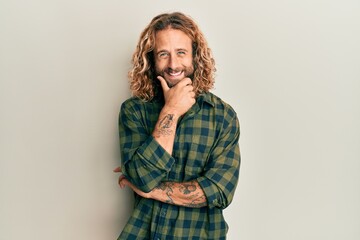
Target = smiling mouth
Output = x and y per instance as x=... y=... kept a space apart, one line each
x=174 y=73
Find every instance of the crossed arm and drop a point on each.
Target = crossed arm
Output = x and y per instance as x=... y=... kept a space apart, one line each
x=179 y=99
x=187 y=194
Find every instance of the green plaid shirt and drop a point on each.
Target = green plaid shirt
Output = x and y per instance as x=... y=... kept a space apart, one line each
x=206 y=149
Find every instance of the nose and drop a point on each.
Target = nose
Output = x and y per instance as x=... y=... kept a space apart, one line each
x=174 y=62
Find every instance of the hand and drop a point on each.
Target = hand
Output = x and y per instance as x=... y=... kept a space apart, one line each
x=180 y=97
x=123 y=182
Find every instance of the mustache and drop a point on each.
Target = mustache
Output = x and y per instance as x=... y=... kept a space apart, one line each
x=189 y=71
x=170 y=70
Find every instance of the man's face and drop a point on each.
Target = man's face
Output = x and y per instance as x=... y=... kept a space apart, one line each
x=173 y=55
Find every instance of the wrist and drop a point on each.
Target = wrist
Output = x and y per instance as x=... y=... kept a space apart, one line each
x=166 y=110
x=150 y=195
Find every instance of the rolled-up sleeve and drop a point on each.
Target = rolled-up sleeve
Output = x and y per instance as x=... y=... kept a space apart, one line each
x=144 y=162
x=222 y=171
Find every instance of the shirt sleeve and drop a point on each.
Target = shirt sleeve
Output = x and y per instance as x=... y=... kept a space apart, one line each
x=222 y=171
x=145 y=163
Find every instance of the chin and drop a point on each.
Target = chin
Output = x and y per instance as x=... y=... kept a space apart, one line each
x=172 y=82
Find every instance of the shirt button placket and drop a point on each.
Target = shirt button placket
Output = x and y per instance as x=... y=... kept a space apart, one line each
x=163 y=213
x=161 y=222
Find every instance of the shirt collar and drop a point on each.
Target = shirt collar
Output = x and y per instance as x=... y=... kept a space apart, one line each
x=201 y=99
x=205 y=97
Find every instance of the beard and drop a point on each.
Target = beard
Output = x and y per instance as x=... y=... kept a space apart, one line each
x=188 y=73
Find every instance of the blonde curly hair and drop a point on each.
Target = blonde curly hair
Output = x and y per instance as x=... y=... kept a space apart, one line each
x=143 y=82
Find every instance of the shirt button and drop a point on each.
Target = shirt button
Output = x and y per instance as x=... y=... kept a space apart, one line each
x=163 y=214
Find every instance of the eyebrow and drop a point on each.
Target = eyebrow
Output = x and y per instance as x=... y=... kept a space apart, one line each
x=177 y=49
x=181 y=49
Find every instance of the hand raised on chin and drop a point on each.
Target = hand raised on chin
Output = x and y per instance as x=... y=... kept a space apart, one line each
x=179 y=98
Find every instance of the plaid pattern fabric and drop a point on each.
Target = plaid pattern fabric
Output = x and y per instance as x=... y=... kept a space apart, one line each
x=206 y=149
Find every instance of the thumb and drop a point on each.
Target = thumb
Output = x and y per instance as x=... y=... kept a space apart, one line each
x=163 y=83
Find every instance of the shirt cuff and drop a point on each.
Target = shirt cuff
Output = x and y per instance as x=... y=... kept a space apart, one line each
x=151 y=151
x=210 y=191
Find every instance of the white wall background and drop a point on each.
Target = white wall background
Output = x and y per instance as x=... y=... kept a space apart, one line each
x=289 y=68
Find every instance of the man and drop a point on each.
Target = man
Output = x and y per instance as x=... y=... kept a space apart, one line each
x=179 y=142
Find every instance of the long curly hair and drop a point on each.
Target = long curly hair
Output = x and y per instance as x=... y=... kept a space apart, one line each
x=143 y=82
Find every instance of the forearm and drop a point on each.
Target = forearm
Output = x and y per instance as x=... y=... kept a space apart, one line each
x=143 y=160
x=188 y=194
x=165 y=129
x=146 y=175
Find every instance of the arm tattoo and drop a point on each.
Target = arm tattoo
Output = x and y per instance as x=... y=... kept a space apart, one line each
x=187 y=188
x=195 y=199
x=167 y=187
x=192 y=197
x=165 y=124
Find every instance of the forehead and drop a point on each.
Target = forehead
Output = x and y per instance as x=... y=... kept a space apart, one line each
x=170 y=38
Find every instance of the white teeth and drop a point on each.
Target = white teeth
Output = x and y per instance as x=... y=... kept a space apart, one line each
x=175 y=73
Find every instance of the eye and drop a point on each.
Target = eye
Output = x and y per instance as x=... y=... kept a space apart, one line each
x=163 y=54
x=181 y=53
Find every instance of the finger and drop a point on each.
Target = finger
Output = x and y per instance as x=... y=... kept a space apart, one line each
x=163 y=83
x=124 y=182
x=186 y=81
x=122 y=177
x=190 y=87
x=118 y=169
